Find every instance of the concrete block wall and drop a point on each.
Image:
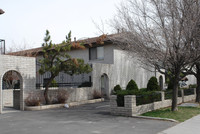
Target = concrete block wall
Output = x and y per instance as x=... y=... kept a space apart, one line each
x=127 y=110
x=26 y=67
x=75 y=94
x=130 y=108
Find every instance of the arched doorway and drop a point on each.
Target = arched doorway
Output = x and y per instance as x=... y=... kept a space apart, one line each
x=161 y=82
x=12 y=91
x=104 y=86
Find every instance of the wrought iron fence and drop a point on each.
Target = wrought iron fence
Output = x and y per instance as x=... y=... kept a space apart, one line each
x=63 y=79
x=189 y=91
x=148 y=98
x=169 y=94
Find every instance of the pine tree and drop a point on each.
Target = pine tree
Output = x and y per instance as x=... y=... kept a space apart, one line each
x=55 y=59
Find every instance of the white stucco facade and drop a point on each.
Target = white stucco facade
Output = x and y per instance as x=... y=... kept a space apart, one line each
x=123 y=69
x=117 y=67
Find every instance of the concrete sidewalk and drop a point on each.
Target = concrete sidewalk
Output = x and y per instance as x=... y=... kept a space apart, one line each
x=191 y=126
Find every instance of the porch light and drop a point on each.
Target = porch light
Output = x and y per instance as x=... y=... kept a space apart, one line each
x=1 y=11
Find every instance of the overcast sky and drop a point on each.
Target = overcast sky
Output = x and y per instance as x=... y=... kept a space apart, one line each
x=25 y=21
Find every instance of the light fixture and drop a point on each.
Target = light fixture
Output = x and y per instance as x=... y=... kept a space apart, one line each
x=1 y=11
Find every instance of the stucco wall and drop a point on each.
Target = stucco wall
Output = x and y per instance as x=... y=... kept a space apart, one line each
x=128 y=67
x=25 y=66
x=124 y=69
x=84 y=54
x=191 y=80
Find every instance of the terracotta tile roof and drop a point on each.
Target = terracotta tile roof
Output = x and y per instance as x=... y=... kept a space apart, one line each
x=90 y=42
x=29 y=53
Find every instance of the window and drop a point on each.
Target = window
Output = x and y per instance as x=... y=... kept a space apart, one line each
x=93 y=53
x=100 y=53
x=96 y=53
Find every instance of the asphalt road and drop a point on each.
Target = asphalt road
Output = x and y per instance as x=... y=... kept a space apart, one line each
x=85 y=119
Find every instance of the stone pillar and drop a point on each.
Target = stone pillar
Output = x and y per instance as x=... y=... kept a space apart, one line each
x=195 y=91
x=162 y=96
x=1 y=103
x=22 y=99
x=113 y=104
x=21 y=93
x=130 y=104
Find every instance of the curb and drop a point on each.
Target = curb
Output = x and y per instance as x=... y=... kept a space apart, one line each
x=155 y=118
x=53 y=106
x=73 y=104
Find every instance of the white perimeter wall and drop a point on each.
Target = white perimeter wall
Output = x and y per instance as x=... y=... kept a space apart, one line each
x=25 y=66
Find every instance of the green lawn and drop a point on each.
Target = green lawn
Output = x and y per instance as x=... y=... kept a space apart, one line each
x=183 y=113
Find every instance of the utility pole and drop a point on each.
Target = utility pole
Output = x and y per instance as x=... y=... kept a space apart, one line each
x=2 y=42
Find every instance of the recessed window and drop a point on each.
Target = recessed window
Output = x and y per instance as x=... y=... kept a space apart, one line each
x=96 y=53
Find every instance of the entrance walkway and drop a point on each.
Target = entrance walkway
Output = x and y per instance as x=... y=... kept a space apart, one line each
x=9 y=110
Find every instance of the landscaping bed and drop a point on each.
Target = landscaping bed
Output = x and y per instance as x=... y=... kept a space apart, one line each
x=183 y=113
x=70 y=104
x=143 y=96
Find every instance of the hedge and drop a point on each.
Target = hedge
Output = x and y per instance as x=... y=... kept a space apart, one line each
x=132 y=86
x=141 y=97
x=152 y=84
x=117 y=88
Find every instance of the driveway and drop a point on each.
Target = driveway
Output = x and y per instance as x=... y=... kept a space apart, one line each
x=85 y=119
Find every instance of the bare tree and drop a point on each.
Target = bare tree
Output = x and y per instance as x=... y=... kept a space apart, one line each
x=15 y=47
x=162 y=34
x=10 y=79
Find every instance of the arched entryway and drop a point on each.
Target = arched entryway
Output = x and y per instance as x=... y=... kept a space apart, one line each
x=104 y=86
x=161 y=82
x=12 y=90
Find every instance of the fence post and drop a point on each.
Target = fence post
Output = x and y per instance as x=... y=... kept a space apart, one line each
x=162 y=96
x=130 y=104
x=195 y=91
x=182 y=95
x=113 y=104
